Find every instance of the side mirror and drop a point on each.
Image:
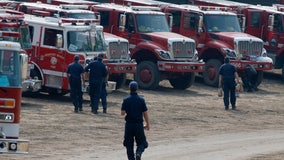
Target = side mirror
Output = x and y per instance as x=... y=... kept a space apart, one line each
x=200 y=24
x=24 y=65
x=170 y=22
x=99 y=17
x=59 y=41
x=270 y=22
x=122 y=21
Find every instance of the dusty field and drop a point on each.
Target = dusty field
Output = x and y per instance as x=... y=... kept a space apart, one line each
x=190 y=124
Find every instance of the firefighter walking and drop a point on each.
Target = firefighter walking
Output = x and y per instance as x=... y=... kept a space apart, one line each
x=134 y=107
x=227 y=75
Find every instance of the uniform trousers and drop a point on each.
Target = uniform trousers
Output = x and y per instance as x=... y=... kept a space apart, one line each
x=95 y=93
x=229 y=89
x=134 y=131
x=76 y=93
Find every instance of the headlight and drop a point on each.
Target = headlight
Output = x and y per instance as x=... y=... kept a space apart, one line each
x=264 y=53
x=229 y=52
x=195 y=57
x=163 y=54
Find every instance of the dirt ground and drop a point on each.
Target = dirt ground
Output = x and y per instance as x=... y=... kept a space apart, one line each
x=190 y=124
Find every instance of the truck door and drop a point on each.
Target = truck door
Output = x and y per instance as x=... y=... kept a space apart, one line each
x=254 y=23
x=52 y=58
x=192 y=27
x=130 y=31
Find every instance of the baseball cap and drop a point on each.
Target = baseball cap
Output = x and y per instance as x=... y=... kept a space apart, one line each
x=101 y=55
x=227 y=60
x=76 y=58
x=133 y=85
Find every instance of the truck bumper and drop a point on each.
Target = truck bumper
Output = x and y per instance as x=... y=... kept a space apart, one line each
x=121 y=67
x=14 y=146
x=260 y=66
x=31 y=85
x=181 y=66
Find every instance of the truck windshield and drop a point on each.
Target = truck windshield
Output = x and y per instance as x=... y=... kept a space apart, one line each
x=151 y=23
x=86 y=41
x=82 y=15
x=9 y=69
x=24 y=40
x=221 y=23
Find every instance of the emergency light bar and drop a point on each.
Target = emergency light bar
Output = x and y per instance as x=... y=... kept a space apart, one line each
x=212 y=8
x=7 y=14
x=10 y=34
x=281 y=9
x=14 y=12
x=145 y=8
x=72 y=20
x=73 y=6
x=41 y=13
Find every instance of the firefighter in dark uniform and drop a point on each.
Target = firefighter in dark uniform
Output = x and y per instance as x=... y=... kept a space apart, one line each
x=134 y=107
x=98 y=74
x=227 y=75
x=103 y=96
x=75 y=73
x=250 y=78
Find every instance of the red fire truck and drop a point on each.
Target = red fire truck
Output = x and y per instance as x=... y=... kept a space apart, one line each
x=265 y=22
x=218 y=34
x=117 y=48
x=159 y=53
x=56 y=41
x=14 y=21
x=11 y=73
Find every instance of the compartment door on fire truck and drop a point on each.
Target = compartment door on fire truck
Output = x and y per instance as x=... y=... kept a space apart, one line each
x=254 y=23
x=52 y=58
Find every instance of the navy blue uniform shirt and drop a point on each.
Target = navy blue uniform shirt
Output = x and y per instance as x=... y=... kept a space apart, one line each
x=75 y=70
x=227 y=71
x=134 y=106
x=98 y=71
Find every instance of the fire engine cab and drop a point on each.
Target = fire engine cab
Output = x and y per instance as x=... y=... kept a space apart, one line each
x=159 y=53
x=11 y=73
x=218 y=34
x=56 y=41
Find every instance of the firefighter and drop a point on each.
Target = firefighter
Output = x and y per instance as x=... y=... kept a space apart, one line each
x=250 y=78
x=103 y=96
x=75 y=73
x=98 y=74
x=134 y=107
x=227 y=75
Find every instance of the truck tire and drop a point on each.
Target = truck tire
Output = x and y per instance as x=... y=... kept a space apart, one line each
x=147 y=75
x=210 y=75
x=183 y=82
x=120 y=79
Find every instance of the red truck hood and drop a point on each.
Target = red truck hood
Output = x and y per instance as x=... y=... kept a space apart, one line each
x=163 y=35
x=229 y=37
x=162 y=39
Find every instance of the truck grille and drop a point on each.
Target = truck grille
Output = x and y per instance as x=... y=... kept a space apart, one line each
x=118 y=51
x=249 y=48
x=183 y=49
